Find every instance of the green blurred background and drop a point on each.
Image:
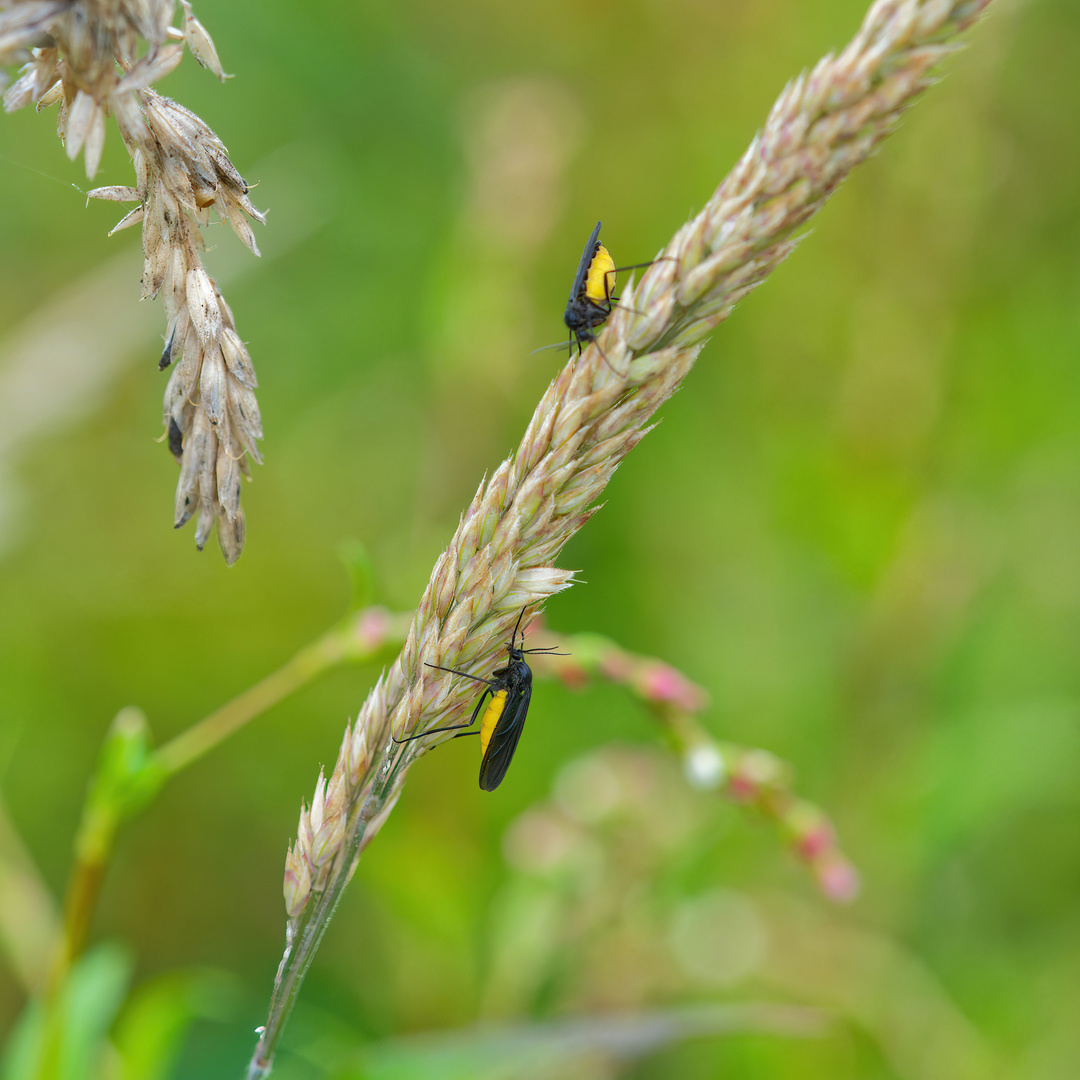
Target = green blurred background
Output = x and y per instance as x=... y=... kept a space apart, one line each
x=858 y=526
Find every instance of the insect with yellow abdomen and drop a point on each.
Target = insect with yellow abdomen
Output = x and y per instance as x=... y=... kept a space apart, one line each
x=592 y=294
x=507 y=694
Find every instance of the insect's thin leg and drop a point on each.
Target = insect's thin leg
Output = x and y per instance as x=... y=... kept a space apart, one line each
x=449 y=727
x=640 y=266
x=613 y=299
x=463 y=674
x=589 y=336
x=433 y=731
x=633 y=266
x=603 y=357
x=609 y=278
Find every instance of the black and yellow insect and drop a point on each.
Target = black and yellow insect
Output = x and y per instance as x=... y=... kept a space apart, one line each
x=592 y=294
x=507 y=694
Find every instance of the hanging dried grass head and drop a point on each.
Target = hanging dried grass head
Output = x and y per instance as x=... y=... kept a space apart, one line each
x=97 y=58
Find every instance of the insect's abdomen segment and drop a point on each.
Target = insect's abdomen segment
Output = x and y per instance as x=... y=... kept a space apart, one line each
x=491 y=718
x=600 y=281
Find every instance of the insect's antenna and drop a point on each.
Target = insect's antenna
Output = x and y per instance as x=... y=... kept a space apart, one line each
x=557 y=345
x=513 y=636
x=454 y=671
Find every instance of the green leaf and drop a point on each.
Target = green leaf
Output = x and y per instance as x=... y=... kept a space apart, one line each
x=150 y=1033
x=66 y=1040
x=22 y=1055
x=126 y=779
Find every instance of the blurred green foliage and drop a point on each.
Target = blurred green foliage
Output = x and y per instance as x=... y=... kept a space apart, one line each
x=858 y=526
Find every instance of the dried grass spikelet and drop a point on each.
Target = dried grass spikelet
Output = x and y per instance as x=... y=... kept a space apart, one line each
x=597 y=410
x=100 y=57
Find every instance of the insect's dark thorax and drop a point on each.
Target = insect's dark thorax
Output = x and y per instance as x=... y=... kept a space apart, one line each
x=516 y=673
x=583 y=310
x=582 y=315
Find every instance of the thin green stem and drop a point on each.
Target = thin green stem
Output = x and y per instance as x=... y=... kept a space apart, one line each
x=201 y=738
x=359 y=639
x=127 y=779
x=83 y=889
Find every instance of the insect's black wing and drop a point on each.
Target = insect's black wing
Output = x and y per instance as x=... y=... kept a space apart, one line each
x=583 y=267
x=504 y=738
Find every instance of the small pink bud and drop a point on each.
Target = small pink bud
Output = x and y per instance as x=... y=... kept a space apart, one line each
x=813 y=844
x=742 y=788
x=661 y=682
x=811 y=831
x=573 y=676
x=371 y=628
x=837 y=878
x=616 y=666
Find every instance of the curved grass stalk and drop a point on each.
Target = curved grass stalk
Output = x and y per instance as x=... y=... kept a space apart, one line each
x=500 y=559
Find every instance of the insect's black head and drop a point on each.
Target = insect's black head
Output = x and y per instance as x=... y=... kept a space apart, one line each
x=580 y=329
